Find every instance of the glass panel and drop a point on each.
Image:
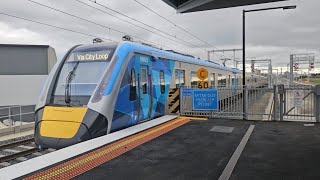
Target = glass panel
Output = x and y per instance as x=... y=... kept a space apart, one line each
x=194 y=78
x=213 y=79
x=82 y=77
x=144 y=80
x=177 y=78
x=162 y=82
x=133 y=85
x=222 y=80
x=182 y=78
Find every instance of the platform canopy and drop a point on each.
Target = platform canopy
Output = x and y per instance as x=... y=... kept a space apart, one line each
x=185 y=6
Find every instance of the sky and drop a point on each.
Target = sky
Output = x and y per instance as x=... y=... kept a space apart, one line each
x=270 y=34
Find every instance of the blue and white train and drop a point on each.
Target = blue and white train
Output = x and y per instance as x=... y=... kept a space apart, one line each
x=100 y=88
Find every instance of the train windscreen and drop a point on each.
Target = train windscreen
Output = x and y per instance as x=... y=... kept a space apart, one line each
x=80 y=75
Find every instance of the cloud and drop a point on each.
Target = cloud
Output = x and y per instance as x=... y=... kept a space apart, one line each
x=274 y=34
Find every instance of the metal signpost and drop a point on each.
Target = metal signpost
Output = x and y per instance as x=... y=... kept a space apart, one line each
x=297 y=60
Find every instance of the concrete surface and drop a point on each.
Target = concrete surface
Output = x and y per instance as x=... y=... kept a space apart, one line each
x=275 y=150
x=16 y=130
x=189 y=152
x=17 y=135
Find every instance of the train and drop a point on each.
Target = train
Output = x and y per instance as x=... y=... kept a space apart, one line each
x=100 y=88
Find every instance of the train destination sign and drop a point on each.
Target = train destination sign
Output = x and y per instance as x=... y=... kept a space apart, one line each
x=91 y=56
x=206 y=99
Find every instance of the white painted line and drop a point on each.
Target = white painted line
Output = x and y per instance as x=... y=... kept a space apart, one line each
x=235 y=157
x=35 y=164
x=11 y=150
x=25 y=147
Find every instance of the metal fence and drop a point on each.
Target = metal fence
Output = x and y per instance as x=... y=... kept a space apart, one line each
x=278 y=103
x=17 y=115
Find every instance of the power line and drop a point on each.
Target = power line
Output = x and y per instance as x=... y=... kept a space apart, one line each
x=106 y=27
x=140 y=22
x=58 y=27
x=187 y=43
x=174 y=24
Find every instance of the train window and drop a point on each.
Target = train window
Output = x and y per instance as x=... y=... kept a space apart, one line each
x=162 y=82
x=234 y=80
x=213 y=80
x=229 y=81
x=222 y=80
x=133 y=86
x=179 y=77
x=194 y=79
x=144 y=80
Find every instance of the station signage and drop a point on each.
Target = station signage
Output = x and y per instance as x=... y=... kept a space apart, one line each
x=203 y=84
x=206 y=99
x=186 y=92
x=298 y=98
x=203 y=74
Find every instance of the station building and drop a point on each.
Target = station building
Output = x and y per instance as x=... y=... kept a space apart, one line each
x=23 y=71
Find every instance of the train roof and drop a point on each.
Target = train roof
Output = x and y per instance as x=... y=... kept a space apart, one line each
x=134 y=46
x=175 y=56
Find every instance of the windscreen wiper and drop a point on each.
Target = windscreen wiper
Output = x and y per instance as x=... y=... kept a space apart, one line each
x=71 y=75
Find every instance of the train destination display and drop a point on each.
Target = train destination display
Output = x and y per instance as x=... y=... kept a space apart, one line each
x=92 y=56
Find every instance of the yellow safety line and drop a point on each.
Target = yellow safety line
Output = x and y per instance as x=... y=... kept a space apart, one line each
x=102 y=153
x=195 y=118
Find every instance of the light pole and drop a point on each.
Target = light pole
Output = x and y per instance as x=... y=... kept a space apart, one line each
x=244 y=48
x=244 y=34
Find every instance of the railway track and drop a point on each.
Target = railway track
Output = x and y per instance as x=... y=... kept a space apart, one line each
x=18 y=151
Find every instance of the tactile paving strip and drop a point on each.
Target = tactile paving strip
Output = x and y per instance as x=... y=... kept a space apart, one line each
x=86 y=162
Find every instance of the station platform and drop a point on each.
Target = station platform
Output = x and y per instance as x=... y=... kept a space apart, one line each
x=16 y=135
x=185 y=148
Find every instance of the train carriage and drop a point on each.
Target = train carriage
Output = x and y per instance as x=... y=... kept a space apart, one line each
x=101 y=88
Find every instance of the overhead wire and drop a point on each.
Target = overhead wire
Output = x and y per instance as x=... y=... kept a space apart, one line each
x=74 y=31
x=92 y=22
x=181 y=28
x=133 y=19
x=54 y=26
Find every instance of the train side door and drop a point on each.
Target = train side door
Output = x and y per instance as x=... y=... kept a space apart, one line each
x=145 y=93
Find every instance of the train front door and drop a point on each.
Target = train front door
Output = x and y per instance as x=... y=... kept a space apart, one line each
x=145 y=93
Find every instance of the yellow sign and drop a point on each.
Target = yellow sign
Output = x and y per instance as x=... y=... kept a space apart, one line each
x=203 y=84
x=202 y=74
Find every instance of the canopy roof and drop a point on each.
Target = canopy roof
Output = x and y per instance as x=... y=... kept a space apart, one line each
x=185 y=6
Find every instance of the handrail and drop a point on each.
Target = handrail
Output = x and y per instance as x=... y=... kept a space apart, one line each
x=20 y=114
x=15 y=106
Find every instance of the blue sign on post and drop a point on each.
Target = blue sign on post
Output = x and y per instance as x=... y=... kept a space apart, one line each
x=187 y=92
x=206 y=99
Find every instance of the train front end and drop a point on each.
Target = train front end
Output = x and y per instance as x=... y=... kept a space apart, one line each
x=70 y=109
